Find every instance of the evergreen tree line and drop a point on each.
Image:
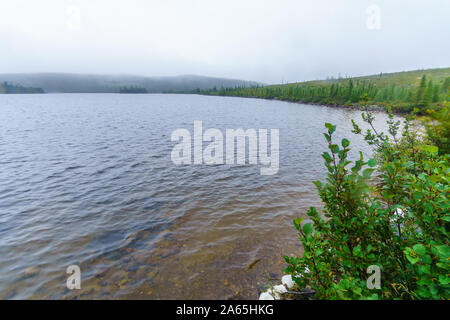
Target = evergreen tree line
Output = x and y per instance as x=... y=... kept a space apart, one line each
x=401 y=98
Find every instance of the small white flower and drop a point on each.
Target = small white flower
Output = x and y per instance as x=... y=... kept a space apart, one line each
x=399 y=212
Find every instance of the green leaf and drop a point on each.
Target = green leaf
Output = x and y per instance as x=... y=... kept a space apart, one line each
x=431 y=149
x=345 y=143
x=372 y=162
x=412 y=259
x=298 y=222
x=444 y=279
x=409 y=164
x=357 y=251
x=423 y=292
x=428 y=207
x=420 y=249
x=443 y=250
x=327 y=157
x=334 y=148
x=357 y=291
x=330 y=128
x=425 y=269
x=373 y=297
x=308 y=228
x=411 y=256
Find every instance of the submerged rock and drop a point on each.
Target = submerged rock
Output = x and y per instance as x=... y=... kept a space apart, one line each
x=287 y=281
x=31 y=271
x=266 y=296
x=280 y=289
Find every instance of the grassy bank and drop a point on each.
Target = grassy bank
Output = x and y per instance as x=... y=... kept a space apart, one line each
x=401 y=91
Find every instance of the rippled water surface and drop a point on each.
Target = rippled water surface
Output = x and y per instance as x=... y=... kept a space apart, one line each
x=87 y=179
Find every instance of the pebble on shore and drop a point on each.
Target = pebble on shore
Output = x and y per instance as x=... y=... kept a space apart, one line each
x=276 y=292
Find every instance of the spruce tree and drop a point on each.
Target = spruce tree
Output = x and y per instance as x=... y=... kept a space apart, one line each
x=421 y=90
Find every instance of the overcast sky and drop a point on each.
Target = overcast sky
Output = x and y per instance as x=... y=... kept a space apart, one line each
x=263 y=40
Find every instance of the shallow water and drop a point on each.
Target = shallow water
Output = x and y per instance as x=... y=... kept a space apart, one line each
x=87 y=179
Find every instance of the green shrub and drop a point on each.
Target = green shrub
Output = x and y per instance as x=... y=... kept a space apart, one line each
x=399 y=224
x=438 y=129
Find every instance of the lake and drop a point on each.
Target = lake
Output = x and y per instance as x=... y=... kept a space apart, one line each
x=88 y=180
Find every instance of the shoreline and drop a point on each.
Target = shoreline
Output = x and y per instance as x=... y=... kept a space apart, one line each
x=377 y=108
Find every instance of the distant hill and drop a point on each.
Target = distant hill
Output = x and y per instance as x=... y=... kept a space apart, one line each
x=85 y=83
x=404 y=78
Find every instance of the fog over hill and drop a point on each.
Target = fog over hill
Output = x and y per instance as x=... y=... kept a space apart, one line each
x=90 y=83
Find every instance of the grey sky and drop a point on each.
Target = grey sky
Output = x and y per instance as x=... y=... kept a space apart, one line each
x=248 y=39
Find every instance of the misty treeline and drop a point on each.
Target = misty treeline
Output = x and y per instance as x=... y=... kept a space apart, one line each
x=399 y=97
x=8 y=88
x=91 y=83
x=132 y=89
